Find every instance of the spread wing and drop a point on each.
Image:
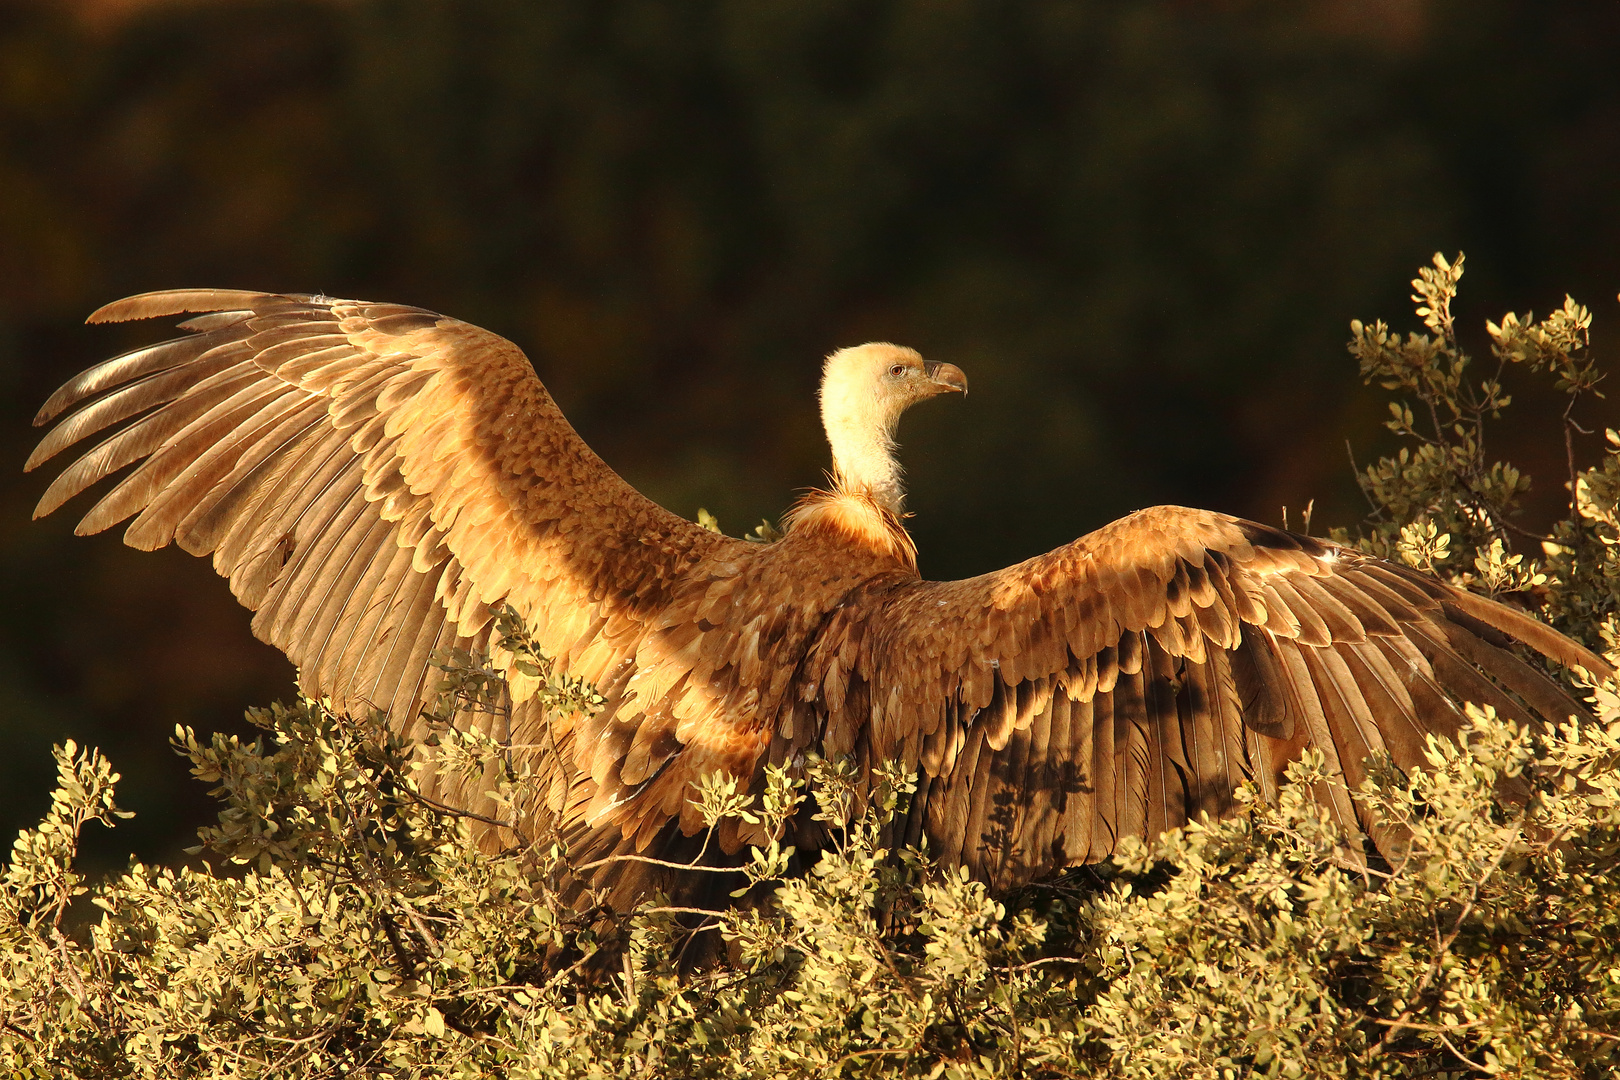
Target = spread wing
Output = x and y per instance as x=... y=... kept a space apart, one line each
x=1129 y=681
x=372 y=479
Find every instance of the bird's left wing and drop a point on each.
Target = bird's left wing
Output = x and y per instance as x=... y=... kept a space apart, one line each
x=1129 y=681
x=372 y=479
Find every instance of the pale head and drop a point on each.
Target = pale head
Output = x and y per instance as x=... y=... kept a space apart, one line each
x=863 y=392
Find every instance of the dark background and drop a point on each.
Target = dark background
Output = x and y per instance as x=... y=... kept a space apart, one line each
x=1141 y=228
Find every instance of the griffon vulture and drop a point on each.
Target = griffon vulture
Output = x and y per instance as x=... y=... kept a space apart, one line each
x=374 y=479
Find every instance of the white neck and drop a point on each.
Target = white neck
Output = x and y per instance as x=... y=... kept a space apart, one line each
x=861 y=433
x=863 y=462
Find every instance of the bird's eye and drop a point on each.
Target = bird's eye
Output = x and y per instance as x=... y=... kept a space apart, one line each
x=898 y=370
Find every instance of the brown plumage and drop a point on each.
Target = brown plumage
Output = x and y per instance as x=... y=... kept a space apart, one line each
x=374 y=479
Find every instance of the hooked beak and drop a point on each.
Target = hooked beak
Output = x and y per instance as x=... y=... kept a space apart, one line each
x=946 y=376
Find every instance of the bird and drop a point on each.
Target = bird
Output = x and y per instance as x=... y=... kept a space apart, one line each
x=378 y=483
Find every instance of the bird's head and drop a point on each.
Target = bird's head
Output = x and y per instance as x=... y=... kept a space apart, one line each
x=864 y=390
x=875 y=383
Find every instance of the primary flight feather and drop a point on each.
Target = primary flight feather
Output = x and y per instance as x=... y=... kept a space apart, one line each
x=376 y=480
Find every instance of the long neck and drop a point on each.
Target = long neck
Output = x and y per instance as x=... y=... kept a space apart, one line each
x=862 y=441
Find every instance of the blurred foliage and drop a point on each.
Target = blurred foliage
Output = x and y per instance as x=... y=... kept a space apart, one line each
x=1137 y=225
x=347 y=925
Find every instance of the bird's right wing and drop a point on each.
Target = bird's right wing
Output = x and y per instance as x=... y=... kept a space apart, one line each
x=372 y=479
x=1127 y=682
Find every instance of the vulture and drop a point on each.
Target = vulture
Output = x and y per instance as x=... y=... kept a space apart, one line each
x=377 y=481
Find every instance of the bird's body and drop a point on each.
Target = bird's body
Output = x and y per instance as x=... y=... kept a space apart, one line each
x=375 y=480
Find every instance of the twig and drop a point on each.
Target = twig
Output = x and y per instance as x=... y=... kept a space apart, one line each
x=66 y=957
x=1416 y=1025
x=1355 y=470
x=670 y=910
x=649 y=860
x=1460 y=1056
x=445 y=808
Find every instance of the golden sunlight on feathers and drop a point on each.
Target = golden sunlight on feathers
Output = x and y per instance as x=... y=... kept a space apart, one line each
x=373 y=479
